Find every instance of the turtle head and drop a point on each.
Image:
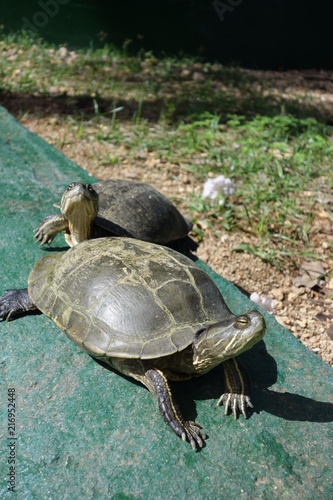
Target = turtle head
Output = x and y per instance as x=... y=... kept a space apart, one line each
x=79 y=204
x=227 y=339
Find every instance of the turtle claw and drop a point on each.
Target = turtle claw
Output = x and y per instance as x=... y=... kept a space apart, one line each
x=41 y=237
x=189 y=431
x=48 y=228
x=237 y=403
x=237 y=389
x=193 y=434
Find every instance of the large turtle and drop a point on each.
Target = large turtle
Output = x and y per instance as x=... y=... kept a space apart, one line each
x=149 y=312
x=117 y=208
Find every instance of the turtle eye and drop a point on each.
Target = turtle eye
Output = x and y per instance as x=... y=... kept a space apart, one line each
x=90 y=188
x=242 y=322
x=71 y=185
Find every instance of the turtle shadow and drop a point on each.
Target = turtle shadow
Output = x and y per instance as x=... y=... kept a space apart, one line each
x=55 y=249
x=262 y=370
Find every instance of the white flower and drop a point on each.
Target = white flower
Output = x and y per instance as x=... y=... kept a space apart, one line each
x=265 y=302
x=218 y=186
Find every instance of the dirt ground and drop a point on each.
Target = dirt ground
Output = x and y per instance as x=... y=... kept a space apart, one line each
x=306 y=309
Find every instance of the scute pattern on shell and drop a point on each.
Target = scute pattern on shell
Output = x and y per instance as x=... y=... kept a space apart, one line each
x=137 y=210
x=120 y=297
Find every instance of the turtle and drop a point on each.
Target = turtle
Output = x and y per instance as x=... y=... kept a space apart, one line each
x=117 y=208
x=148 y=312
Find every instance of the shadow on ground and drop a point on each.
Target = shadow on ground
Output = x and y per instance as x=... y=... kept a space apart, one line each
x=180 y=107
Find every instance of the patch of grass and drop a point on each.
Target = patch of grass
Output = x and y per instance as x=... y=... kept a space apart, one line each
x=202 y=120
x=275 y=163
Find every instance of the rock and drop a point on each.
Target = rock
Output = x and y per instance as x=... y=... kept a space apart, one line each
x=277 y=293
x=198 y=77
x=185 y=73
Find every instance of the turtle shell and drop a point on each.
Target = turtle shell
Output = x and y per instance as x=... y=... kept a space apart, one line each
x=137 y=210
x=120 y=297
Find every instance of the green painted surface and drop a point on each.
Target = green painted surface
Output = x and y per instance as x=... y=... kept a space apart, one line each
x=85 y=432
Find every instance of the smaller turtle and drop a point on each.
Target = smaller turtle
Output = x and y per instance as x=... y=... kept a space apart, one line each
x=117 y=208
x=149 y=312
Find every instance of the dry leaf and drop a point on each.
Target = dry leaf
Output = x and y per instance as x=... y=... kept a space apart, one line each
x=311 y=274
x=323 y=317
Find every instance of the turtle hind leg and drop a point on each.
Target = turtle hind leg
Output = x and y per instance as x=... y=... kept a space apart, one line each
x=237 y=388
x=189 y=431
x=14 y=302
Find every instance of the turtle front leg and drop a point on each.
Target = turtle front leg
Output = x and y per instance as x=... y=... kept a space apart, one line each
x=49 y=227
x=189 y=431
x=14 y=302
x=237 y=388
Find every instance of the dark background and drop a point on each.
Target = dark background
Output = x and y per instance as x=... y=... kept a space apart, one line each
x=276 y=34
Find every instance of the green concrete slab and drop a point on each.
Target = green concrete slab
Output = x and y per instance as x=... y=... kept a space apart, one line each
x=85 y=432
